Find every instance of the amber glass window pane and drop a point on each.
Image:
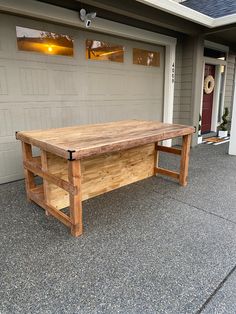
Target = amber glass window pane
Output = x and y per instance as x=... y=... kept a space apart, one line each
x=101 y=50
x=146 y=57
x=44 y=42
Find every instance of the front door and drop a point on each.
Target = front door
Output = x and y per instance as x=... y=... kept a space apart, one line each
x=207 y=101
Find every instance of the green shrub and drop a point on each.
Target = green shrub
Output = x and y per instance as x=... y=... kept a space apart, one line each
x=224 y=125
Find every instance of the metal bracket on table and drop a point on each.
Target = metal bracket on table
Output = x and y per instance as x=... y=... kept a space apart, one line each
x=71 y=155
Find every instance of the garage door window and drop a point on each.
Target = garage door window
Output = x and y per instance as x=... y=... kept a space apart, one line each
x=101 y=50
x=44 y=42
x=146 y=57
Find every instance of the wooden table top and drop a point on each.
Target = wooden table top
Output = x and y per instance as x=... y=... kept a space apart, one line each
x=89 y=140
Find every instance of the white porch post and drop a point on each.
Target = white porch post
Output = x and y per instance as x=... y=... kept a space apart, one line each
x=169 y=87
x=232 y=144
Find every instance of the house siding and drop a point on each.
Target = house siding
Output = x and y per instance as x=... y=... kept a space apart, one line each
x=177 y=90
x=183 y=83
x=229 y=87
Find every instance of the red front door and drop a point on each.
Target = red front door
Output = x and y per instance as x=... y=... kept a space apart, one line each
x=207 y=102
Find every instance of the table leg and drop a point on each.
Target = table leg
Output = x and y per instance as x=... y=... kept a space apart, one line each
x=44 y=163
x=74 y=176
x=29 y=176
x=156 y=158
x=183 y=176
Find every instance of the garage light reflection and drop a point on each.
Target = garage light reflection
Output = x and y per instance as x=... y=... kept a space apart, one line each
x=44 y=42
x=101 y=50
x=146 y=57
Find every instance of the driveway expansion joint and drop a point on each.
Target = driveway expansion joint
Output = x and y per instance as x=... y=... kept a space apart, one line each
x=202 y=209
x=221 y=284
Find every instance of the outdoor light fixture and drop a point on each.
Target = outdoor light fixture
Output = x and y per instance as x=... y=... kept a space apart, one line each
x=87 y=17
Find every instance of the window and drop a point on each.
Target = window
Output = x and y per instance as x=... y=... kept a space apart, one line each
x=101 y=50
x=44 y=42
x=146 y=57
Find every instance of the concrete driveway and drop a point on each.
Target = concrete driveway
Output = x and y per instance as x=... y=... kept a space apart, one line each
x=151 y=247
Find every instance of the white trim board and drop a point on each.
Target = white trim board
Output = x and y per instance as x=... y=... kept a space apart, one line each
x=186 y=13
x=169 y=6
x=56 y=14
x=214 y=61
x=232 y=144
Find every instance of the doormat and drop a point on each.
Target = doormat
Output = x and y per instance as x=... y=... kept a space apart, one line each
x=216 y=140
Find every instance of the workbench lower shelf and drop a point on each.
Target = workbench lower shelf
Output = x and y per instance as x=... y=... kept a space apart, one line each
x=37 y=196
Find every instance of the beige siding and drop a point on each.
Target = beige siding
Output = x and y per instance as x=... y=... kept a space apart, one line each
x=183 y=82
x=177 y=91
x=229 y=81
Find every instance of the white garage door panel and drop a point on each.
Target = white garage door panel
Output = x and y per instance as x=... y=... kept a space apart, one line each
x=10 y=162
x=39 y=91
x=3 y=81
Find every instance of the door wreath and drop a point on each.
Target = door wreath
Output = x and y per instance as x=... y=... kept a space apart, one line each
x=209 y=84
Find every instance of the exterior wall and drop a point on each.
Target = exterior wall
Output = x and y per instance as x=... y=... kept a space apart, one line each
x=177 y=90
x=186 y=83
x=186 y=79
x=229 y=87
x=183 y=83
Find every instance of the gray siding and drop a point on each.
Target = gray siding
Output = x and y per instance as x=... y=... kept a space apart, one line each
x=183 y=83
x=177 y=90
x=229 y=81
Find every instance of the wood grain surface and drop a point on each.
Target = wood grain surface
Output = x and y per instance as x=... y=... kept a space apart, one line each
x=101 y=174
x=89 y=140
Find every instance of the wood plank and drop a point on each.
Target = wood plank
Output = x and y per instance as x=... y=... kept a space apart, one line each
x=43 y=173
x=103 y=173
x=167 y=172
x=90 y=140
x=40 y=171
x=107 y=172
x=171 y=150
x=185 y=160
x=29 y=176
x=156 y=158
x=37 y=195
x=37 y=160
x=74 y=175
x=57 y=166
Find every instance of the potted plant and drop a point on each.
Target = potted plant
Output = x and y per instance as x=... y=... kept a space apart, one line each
x=199 y=139
x=223 y=127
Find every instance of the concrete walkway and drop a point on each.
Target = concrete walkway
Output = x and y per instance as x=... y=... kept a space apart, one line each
x=151 y=247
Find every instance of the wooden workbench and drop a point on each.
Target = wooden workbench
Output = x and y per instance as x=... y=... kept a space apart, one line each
x=80 y=162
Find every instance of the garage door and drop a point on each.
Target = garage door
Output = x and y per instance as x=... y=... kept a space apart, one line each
x=90 y=78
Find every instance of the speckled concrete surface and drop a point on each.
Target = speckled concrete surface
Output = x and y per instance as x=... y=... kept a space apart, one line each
x=224 y=301
x=151 y=247
x=212 y=181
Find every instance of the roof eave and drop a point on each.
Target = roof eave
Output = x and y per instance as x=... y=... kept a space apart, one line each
x=177 y=9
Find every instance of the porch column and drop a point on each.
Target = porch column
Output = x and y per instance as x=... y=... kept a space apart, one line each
x=232 y=144
x=197 y=83
x=169 y=87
